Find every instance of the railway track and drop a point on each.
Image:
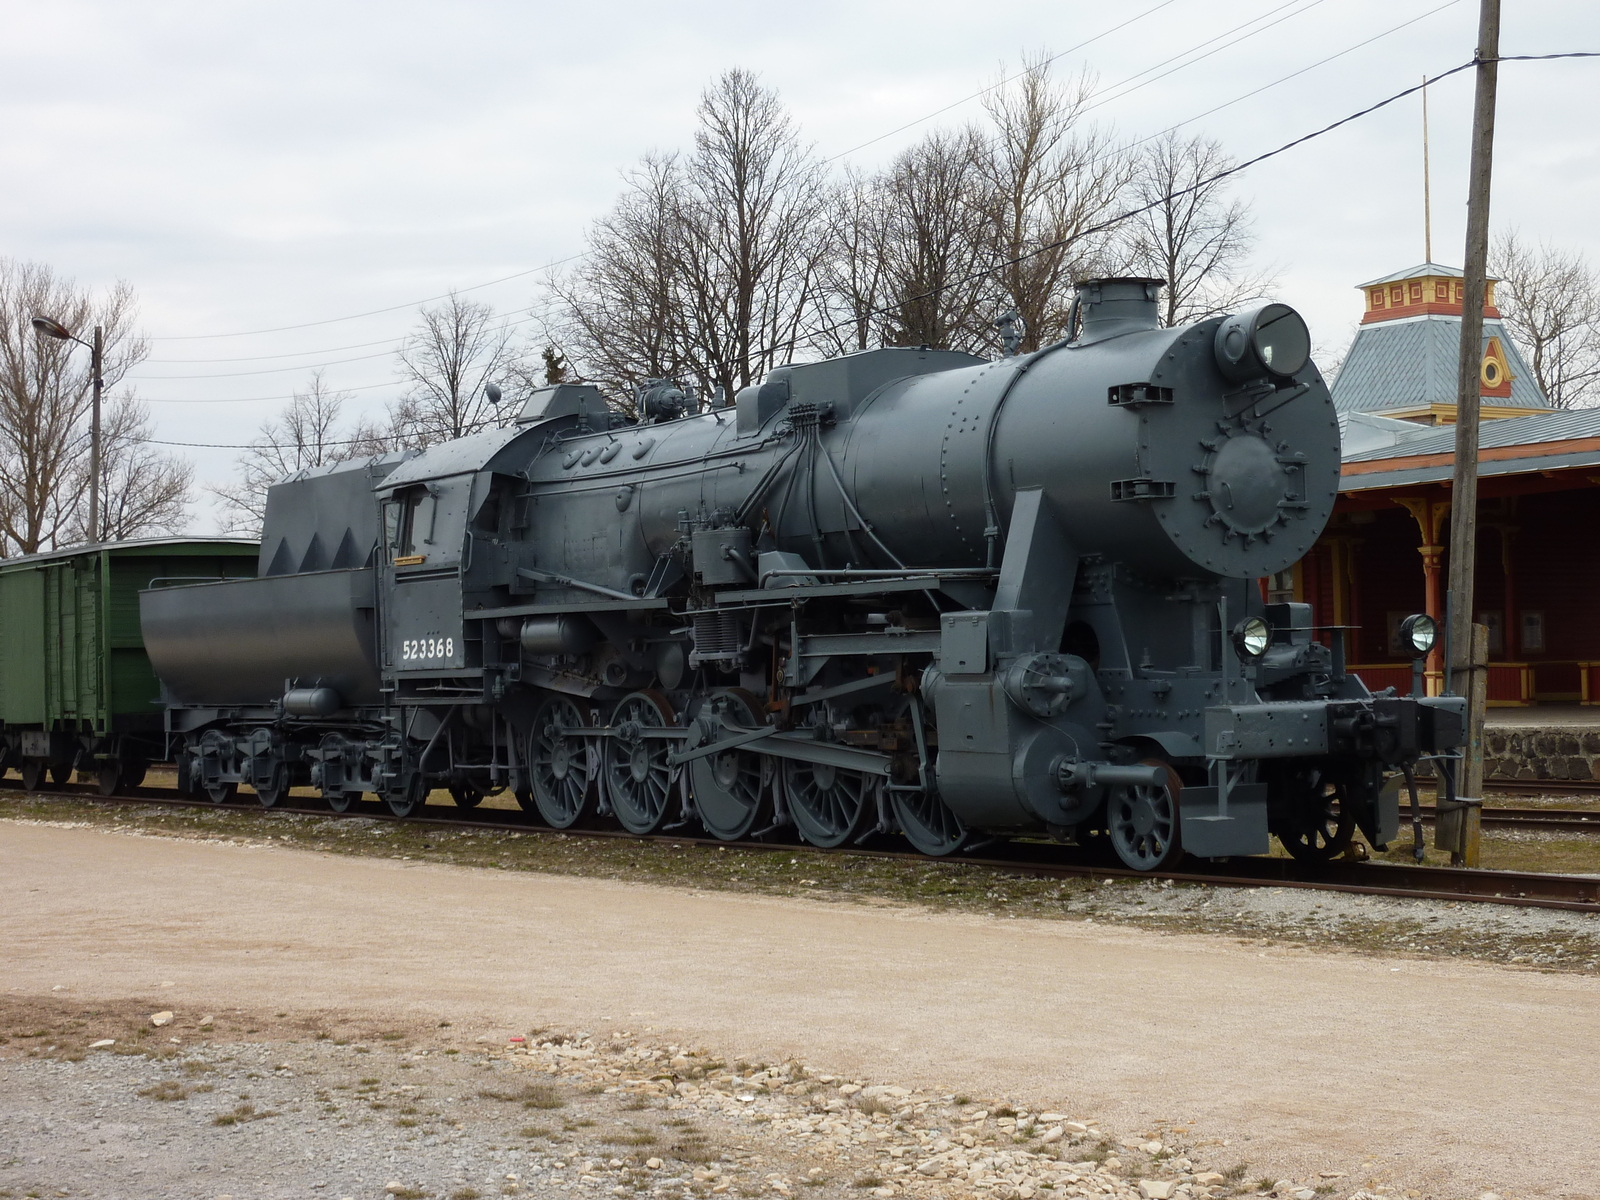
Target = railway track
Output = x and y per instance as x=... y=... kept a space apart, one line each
x=1565 y=820
x=1541 y=787
x=1572 y=893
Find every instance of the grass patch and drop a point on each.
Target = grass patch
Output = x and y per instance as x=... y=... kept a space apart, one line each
x=631 y=1137
x=532 y=1095
x=868 y=1181
x=465 y=1193
x=535 y=1131
x=167 y=1089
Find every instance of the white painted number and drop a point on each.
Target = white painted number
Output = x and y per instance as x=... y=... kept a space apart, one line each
x=423 y=649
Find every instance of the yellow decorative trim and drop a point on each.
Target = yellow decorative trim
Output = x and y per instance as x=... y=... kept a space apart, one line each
x=411 y=560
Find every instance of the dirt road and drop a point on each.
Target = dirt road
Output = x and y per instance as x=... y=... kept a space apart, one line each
x=1457 y=1077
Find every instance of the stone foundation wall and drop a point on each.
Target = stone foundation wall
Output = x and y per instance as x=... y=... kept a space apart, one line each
x=1534 y=754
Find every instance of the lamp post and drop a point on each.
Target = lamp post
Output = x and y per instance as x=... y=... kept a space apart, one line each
x=97 y=352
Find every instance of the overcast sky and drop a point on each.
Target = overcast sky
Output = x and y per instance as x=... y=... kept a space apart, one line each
x=251 y=166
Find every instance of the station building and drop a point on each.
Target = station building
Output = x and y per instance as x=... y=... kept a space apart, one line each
x=1385 y=553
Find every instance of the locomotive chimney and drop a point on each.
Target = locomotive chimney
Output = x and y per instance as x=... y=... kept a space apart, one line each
x=1116 y=306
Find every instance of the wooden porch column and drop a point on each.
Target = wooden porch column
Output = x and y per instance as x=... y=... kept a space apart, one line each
x=1430 y=515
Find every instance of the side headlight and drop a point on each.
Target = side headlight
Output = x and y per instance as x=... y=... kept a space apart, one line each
x=1419 y=633
x=1267 y=342
x=1251 y=637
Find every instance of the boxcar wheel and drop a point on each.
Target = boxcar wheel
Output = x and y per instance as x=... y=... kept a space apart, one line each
x=108 y=778
x=133 y=775
x=60 y=775
x=33 y=773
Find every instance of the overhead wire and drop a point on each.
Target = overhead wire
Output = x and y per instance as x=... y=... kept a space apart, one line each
x=1097 y=228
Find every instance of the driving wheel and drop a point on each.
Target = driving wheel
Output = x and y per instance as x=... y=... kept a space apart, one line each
x=730 y=787
x=638 y=777
x=558 y=765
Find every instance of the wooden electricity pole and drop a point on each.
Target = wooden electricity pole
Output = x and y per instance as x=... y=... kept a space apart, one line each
x=1460 y=836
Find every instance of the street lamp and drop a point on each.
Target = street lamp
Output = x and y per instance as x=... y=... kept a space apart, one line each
x=57 y=330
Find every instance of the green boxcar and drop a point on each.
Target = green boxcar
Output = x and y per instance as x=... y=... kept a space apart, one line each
x=76 y=688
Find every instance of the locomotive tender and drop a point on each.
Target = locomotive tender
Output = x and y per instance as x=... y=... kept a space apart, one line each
x=905 y=589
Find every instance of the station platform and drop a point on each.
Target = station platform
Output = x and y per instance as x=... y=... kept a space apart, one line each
x=1556 y=742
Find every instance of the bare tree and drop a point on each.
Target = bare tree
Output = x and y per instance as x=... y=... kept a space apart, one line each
x=938 y=205
x=143 y=491
x=852 y=279
x=1191 y=234
x=1550 y=299
x=307 y=433
x=1051 y=181
x=706 y=270
x=45 y=397
x=457 y=348
x=622 y=311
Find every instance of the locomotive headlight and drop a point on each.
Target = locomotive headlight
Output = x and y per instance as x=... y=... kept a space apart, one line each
x=1419 y=634
x=1268 y=342
x=1251 y=637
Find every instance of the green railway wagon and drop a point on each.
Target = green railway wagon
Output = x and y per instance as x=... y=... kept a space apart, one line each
x=76 y=688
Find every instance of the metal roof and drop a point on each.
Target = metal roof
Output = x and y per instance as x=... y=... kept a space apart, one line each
x=1428 y=268
x=1413 y=361
x=1403 y=475
x=1557 y=426
x=133 y=544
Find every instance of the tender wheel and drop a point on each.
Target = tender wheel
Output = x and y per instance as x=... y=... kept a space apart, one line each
x=61 y=774
x=33 y=774
x=637 y=775
x=222 y=793
x=1324 y=825
x=730 y=788
x=559 y=765
x=465 y=794
x=1143 y=824
x=276 y=789
x=406 y=800
x=829 y=804
x=108 y=778
x=340 y=801
x=928 y=823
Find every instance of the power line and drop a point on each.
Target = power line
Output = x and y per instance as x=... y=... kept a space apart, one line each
x=891 y=133
x=196 y=337
x=994 y=86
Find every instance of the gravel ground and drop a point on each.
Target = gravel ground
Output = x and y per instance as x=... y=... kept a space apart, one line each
x=100 y=1102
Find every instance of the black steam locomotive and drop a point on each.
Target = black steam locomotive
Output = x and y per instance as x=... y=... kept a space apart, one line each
x=903 y=590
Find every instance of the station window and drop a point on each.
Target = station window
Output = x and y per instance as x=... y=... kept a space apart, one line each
x=1397 y=295
x=1416 y=293
x=1377 y=297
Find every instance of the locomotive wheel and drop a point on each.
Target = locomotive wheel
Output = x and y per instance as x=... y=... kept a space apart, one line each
x=829 y=804
x=276 y=789
x=637 y=775
x=730 y=788
x=222 y=793
x=1143 y=823
x=404 y=801
x=33 y=772
x=1324 y=827
x=558 y=765
x=61 y=774
x=928 y=823
x=108 y=777
x=466 y=795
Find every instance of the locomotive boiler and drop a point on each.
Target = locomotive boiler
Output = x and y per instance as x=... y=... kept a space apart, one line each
x=903 y=590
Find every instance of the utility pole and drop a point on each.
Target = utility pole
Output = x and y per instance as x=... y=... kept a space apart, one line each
x=97 y=356
x=1464 y=494
x=1427 y=198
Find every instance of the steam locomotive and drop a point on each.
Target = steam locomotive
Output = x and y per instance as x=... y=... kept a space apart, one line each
x=904 y=590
